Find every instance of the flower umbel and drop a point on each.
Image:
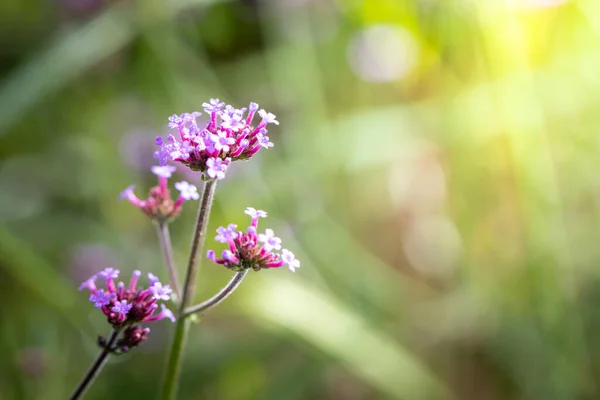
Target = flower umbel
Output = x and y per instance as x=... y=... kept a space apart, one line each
x=159 y=205
x=228 y=136
x=127 y=305
x=251 y=250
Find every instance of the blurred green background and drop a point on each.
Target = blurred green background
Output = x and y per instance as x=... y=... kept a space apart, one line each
x=435 y=170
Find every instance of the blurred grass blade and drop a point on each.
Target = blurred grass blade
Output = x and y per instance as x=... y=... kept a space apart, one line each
x=31 y=271
x=343 y=335
x=69 y=56
x=62 y=61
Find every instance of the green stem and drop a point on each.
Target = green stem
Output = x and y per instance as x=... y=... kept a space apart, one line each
x=219 y=297
x=167 y=249
x=96 y=366
x=171 y=379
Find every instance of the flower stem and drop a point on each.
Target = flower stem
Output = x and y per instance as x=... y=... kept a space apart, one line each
x=167 y=249
x=96 y=366
x=219 y=297
x=170 y=383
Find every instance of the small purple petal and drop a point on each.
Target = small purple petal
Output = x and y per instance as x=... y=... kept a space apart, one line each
x=216 y=168
x=264 y=141
x=89 y=284
x=152 y=278
x=109 y=273
x=269 y=240
x=289 y=259
x=213 y=106
x=127 y=193
x=164 y=171
x=221 y=141
x=254 y=213
x=174 y=121
x=227 y=255
x=101 y=298
x=233 y=119
x=226 y=234
x=268 y=117
x=187 y=191
x=166 y=313
x=122 y=307
x=161 y=292
x=210 y=254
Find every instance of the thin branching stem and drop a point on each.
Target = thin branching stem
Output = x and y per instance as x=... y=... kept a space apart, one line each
x=218 y=298
x=167 y=249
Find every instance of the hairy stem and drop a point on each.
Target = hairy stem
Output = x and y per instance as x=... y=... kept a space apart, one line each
x=219 y=297
x=169 y=389
x=167 y=249
x=96 y=366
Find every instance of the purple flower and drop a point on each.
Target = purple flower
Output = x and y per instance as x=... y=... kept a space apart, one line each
x=152 y=278
x=226 y=234
x=270 y=241
x=221 y=141
x=228 y=136
x=89 y=284
x=268 y=117
x=213 y=106
x=289 y=259
x=161 y=292
x=130 y=196
x=101 y=298
x=159 y=206
x=254 y=213
x=166 y=313
x=127 y=305
x=228 y=255
x=265 y=142
x=187 y=191
x=109 y=273
x=174 y=122
x=233 y=121
x=249 y=250
x=122 y=307
x=163 y=171
x=216 y=168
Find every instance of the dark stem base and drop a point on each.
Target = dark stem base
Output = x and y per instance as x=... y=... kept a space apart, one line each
x=96 y=366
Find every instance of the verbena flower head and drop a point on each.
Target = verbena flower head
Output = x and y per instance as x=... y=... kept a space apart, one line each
x=159 y=205
x=247 y=249
x=228 y=136
x=125 y=306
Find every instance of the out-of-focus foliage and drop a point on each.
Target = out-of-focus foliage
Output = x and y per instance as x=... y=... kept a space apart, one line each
x=436 y=171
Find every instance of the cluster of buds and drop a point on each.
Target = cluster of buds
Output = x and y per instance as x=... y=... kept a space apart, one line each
x=125 y=306
x=251 y=250
x=159 y=205
x=227 y=137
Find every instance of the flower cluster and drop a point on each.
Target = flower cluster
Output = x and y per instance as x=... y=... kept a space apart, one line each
x=227 y=137
x=127 y=305
x=159 y=205
x=251 y=250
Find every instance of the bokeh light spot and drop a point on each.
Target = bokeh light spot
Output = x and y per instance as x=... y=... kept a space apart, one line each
x=382 y=53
